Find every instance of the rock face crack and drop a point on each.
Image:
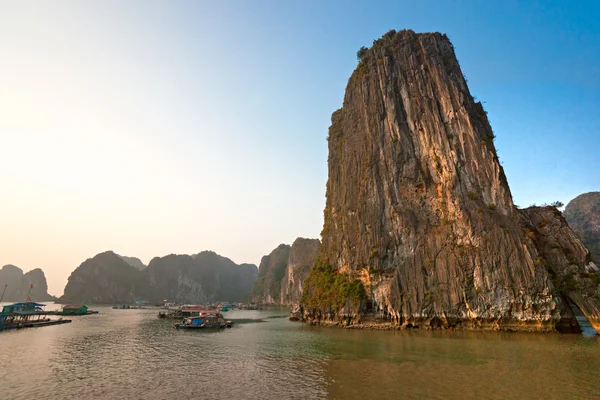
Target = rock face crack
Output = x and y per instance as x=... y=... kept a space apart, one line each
x=419 y=209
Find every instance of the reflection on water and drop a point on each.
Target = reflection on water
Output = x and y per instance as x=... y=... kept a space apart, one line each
x=134 y=355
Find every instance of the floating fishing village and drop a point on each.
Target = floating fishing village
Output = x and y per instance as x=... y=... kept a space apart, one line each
x=31 y=314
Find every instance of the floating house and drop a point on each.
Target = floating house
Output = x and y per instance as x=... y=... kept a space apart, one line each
x=208 y=320
x=74 y=309
x=26 y=315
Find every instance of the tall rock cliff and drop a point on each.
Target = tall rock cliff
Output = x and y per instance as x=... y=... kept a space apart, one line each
x=303 y=254
x=18 y=284
x=267 y=288
x=283 y=272
x=583 y=215
x=420 y=213
x=202 y=278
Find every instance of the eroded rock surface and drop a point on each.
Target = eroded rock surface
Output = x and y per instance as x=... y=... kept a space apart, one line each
x=267 y=288
x=302 y=257
x=282 y=273
x=419 y=209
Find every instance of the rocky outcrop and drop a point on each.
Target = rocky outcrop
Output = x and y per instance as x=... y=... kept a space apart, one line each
x=205 y=277
x=267 y=288
x=420 y=214
x=18 y=284
x=583 y=215
x=134 y=262
x=202 y=278
x=302 y=256
x=104 y=279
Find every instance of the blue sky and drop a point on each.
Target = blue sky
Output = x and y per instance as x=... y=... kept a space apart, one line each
x=156 y=127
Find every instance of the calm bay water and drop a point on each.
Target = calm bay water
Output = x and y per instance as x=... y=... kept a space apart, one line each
x=131 y=354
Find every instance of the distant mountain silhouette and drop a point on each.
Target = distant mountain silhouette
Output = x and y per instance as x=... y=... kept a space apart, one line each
x=18 y=284
x=205 y=277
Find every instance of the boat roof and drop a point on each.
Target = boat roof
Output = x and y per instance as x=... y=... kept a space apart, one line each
x=191 y=307
x=30 y=303
x=30 y=313
x=69 y=306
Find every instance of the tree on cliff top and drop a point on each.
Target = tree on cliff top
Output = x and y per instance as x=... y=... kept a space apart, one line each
x=361 y=53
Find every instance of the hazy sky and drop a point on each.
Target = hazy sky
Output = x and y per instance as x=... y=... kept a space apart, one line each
x=157 y=127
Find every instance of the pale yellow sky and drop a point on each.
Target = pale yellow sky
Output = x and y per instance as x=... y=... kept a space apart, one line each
x=115 y=133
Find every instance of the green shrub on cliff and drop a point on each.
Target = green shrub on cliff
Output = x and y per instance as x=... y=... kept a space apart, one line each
x=327 y=288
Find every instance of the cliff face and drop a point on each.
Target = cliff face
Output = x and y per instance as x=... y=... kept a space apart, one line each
x=18 y=284
x=283 y=272
x=419 y=209
x=201 y=278
x=583 y=215
x=302 y=257
x=267 y=288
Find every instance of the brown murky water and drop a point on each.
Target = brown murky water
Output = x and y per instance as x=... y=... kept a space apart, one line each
x=130 y=354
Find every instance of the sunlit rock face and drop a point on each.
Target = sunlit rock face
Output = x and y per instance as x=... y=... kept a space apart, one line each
x=419 y=209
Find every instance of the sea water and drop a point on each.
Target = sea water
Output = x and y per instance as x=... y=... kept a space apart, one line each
x=131 y=354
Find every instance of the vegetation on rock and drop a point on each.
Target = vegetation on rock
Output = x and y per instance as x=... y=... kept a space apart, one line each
x=328 y=289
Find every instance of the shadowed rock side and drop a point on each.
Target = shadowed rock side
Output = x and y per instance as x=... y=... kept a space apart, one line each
x=105 y=278
x=303 y=254
x=419 y=210
x=201 y=278
x=272 y=268
x=17 y=284
x=583 y=215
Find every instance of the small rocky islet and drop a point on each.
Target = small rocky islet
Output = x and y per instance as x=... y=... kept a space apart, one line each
x=420 y=227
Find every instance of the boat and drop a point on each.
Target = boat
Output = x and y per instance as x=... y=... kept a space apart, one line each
x=73 y=309
x=27 y=315
x=206 y=320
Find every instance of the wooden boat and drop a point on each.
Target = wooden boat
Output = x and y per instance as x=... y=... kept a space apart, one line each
x=27 y=315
